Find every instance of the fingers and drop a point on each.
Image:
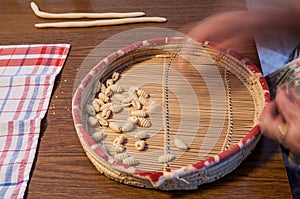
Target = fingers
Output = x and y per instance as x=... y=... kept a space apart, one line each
x=221 y=26
x=293 y=93
x=286 y=107
x=270 y=120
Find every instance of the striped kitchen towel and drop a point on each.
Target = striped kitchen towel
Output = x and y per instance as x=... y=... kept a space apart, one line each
x=27 y=74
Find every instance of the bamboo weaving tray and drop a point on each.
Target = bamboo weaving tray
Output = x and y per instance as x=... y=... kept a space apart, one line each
x=206 y=99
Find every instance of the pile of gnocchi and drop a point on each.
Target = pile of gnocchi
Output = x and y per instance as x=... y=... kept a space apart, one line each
x=110 y=99
x=103 y=108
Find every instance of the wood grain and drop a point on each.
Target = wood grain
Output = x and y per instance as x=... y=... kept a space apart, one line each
x=61 y=168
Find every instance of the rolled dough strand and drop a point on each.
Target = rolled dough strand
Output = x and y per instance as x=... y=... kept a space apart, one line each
x=41 y=14
x=109 y=22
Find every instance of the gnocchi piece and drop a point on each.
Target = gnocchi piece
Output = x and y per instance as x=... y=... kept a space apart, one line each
x=116 y=108
x=108 y=92
x=119 y=148
x=138 y=113
x=106 y=113
x=142 y=93
x=98 y=136
x=103 y=88
x=133 y=119
x=116 y=88
x=127 y=101
x=143 y=122
x=121 y=156
x=105 y=106
x=115 y=126
x=140 y=145
x=101 y=120
x=180 y=144
x=130 y=161
x=115 y=76
x=132 y=90
x=118 y=97
x=109 y=82
x=99 y=101
x=97 y=88
x=92 y=121
x=141 y=135
x=154 y=108
x=166 y=158
x=136 y=104
x=143 y=100
x=90 y=109
x=96 y=105
x=118 y=140
x=128 y=126
x=103 y=97
x=134 y=96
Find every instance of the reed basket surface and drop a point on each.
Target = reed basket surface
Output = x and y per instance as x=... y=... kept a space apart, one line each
x=169 y=113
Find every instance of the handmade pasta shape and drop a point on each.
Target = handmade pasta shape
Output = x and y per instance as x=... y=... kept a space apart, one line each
x=116 y=108
x=119 y=148
x=101 y=120
x=92 y=121
x=180 y=144
x=98 y=136
x=133 y=119
x=90 y=109
x=143 y=122
x=96 y=105
x=103 y=88
x=97 y=88
x=128 y=126
x=109 y=82
x=127 y=101
x=138 y=113
x=119 y=140
x=136 y=104
x=132 y=90
x=166 y=158
x=105 y=106
x=141 y=135
x=154 y=108
x=121 y=156
x=142 y=93
x=134 y=96
x=143 y=100
x=118 y=97
x=99 y=101
x=116 y=76
x=140 y=145
x=115 y=126
x=108 y=92
x=103 y=97
x=106 y=113
x=47 y=15
x=130 y=161
x=116 y=88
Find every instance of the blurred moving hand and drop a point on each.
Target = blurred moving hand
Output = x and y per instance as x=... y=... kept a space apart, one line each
x=280 y=119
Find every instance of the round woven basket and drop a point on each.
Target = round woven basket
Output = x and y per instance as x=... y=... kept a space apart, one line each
x=207 y=99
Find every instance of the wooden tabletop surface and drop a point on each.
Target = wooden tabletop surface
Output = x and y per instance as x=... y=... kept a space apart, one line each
x=61 y=169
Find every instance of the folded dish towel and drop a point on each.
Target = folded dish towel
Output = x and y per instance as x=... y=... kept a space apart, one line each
x=27 y=74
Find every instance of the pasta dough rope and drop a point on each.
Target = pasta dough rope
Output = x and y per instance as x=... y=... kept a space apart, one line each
x=47 y=15
x=108 y=22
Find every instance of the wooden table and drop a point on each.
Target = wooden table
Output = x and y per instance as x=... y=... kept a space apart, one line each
x=62 y=169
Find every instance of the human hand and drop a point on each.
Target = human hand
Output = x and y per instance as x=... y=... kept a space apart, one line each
x=232 y=29
x=280 y=121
